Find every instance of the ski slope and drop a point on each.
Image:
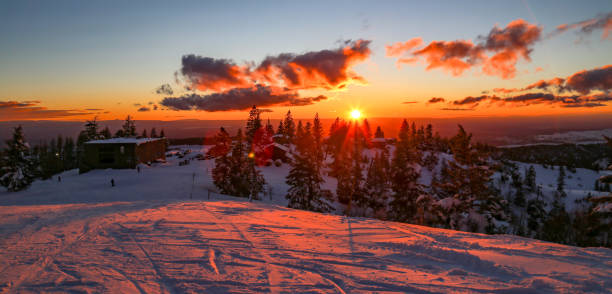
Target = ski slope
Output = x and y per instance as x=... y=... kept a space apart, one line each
x=157 y=232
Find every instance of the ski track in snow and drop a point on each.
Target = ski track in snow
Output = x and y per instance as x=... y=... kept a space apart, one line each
x=146 y=236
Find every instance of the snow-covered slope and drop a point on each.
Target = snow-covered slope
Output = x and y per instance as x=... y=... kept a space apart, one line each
x=146 y=235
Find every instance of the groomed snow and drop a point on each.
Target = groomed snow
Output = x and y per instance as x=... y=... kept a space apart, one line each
x=146 y=235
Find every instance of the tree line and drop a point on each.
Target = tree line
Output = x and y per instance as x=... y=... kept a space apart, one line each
x=21 y=163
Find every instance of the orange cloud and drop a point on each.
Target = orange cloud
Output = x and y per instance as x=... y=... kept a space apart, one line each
x=586 y=27
x=505 y=45
x=26 y=110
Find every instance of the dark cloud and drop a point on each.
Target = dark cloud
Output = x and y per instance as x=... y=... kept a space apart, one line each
x=13 y=110
x=94 y=109
x=435 y=100
x=206 y=73
x=327 y=69
x=586 y=27
x=584 y=82
x=239 y=99
x=505 y=45
x=274 y=81
x=456 y=109
x=144 y=109
x=164 y=89
x=137 y=104
x=590 y=80
x=538 y=98
x=15 y=104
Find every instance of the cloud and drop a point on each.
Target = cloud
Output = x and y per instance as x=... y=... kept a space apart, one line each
x=409 y=102
x=504 y=45
x=206 y=73
x=94 y=109
x=587 y=27
x=274 y=81
x=573 y=101
x=239 y=99
x=14 y=110
x=456 y=109
x=584 y=82
x=164 y=89
x=435 y=100
x=326 y=69
x=144 y=109
x=137 y=104
x=590 y=80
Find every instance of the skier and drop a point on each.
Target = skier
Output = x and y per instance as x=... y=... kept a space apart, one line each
x=112 y=182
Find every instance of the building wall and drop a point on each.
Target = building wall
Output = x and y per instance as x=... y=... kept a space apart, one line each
x=126 y=155
x=96 y=156
x=151 y=151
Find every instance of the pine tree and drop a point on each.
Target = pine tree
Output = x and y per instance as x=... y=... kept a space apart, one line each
x=530 y=179
x=18 y=168
x=221 y=172
x=253 y=124
x=377 y=188
x=367 y=133
x=317 y=136
x=404 y=177
x=281 y=133
x=153 y=133
x=144 y=133
x=162 y=134
x=289 y=127
x=105 y=133
x=69 y=156
x=305 y=177
x=129 y=127
x=379 y=133
x=469 y=202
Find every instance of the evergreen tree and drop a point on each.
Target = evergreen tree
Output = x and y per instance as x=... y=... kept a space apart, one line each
x=469 y=202
x=119 y=133
x=305 y=177
x=221 y=172
x=530 y=179
x=105 y=133
x=317 y=136
x=377 y=188
x=69 y=155
x=153 y=133
x=253 y=124
x=404 y=178
x=18 y=168
x=129 y=127
x=367 y=132
x=379 y=133
x=144 y=133
x=269 y=128
x=162 y=134
x=289 y=127
x=536 y=214
x=281 y=133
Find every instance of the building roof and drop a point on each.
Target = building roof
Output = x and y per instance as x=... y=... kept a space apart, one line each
x=136 y=141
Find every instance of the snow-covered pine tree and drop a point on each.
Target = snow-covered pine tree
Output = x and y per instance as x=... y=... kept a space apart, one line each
x=18 y=168
x=377 y=188
x=404 y=177
x=469 y=203
x=305 y=177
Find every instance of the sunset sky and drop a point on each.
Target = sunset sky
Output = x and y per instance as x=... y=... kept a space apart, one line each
x=70 y=60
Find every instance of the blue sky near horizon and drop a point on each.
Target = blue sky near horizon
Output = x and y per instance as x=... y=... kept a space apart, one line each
x=105 y=54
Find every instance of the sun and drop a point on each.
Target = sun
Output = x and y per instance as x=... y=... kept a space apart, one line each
x=355 y=114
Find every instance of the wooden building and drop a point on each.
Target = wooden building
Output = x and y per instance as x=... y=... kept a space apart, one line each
x=121 y=153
